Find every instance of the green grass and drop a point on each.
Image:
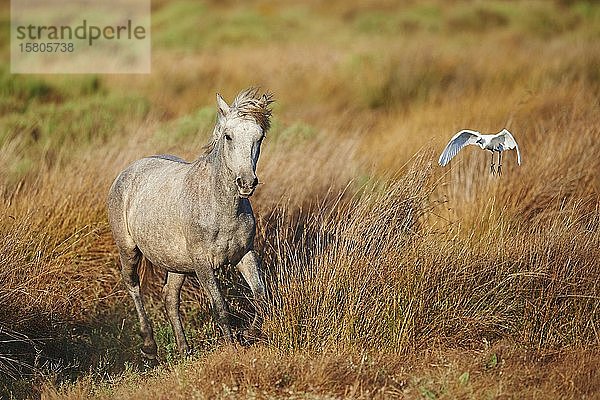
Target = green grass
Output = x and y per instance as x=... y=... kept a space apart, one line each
x=194 y=128
x=404 y=21
x=201 y=27
x=40 y=136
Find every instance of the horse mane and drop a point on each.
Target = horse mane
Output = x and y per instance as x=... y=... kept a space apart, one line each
x=249 y=104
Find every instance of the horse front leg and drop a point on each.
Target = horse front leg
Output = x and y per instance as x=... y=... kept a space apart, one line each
x=171 y=297
x=207 y=280
x=249 y=267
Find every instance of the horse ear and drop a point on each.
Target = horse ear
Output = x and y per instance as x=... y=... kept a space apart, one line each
x=222 y=106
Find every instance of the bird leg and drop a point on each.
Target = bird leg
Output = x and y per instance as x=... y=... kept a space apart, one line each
x=499 y=163
x=492 y=169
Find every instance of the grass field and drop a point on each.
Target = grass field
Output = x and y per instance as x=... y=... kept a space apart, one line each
x=389 y=277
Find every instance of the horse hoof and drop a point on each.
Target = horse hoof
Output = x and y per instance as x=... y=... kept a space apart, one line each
x=250 y=337
x=187 y=354
x=149 y=360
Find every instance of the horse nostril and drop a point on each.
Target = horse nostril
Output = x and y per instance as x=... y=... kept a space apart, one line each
x=255 y=182
x=239 y=182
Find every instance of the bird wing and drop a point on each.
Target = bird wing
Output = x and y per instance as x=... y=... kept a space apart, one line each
x=509 y=142
x=458 y=141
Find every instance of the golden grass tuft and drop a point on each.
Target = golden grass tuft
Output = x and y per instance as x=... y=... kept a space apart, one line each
x=260 y=372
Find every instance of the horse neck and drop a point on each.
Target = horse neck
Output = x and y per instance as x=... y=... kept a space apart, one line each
x=220 y=179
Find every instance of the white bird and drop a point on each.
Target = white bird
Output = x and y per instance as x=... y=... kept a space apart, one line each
x=498 y=142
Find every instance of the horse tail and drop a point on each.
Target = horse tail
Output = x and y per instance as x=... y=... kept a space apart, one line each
x=147 y=273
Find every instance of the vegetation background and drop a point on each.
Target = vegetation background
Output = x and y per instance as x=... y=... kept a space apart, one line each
x=389 y=276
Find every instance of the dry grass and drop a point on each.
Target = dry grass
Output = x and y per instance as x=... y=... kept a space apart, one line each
x=389 y=277
x=498 y=372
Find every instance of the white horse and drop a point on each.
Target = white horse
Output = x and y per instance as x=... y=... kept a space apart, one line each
x=194 y=217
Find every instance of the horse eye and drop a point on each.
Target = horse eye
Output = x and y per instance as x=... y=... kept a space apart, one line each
x=227 y=137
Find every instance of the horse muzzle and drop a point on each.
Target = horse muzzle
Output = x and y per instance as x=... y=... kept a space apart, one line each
x=246 y=188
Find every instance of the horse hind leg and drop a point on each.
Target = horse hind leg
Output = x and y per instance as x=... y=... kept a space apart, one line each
x=130 y=259
x=171 y=296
